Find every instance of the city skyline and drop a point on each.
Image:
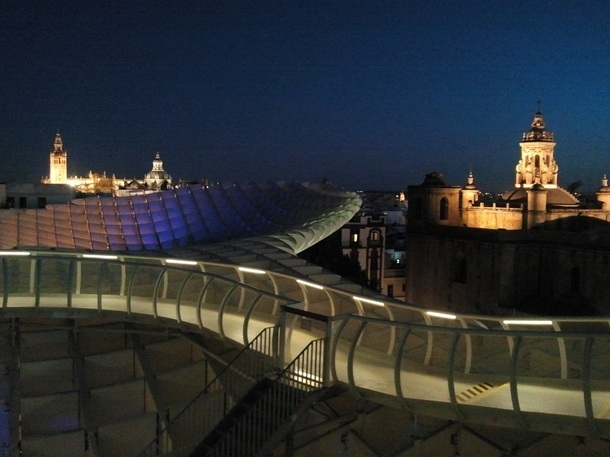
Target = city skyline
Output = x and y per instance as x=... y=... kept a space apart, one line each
x=369 y=97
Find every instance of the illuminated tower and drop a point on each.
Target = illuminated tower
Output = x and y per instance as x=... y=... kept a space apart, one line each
x=470 y=193
x=58 y=169
x=157 y=178
x=537 y=164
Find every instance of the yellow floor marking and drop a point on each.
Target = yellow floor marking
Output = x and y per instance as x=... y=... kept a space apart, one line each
x=487 y=393
x=602 y=412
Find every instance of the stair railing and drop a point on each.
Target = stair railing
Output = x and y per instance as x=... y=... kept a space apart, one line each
x=277 y=406
x=189 y=427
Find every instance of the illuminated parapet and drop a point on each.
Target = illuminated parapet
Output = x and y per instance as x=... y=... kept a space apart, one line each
x=298 y=214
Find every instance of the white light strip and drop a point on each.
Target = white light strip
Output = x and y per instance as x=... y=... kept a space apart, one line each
x=366 y=300
x=252 y=270
x=14 y=253
x=100 y=256
x=441 y=315
x=310 y=284
x=181 y=262
x=526 y=322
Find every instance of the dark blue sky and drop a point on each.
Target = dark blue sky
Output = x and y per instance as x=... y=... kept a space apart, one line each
x=372 y=95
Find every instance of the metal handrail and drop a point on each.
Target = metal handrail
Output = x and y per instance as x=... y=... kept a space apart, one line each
x=578 y=356
x=276 y=406
x=266 y=343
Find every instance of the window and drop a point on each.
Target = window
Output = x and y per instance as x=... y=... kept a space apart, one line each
x=23 y=202
x=42 y=202
x=390 y=290
x=374 y=237
x=354 y=237
x=444 y=214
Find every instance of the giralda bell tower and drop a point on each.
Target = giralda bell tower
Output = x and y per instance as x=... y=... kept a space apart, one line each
x=58 y=168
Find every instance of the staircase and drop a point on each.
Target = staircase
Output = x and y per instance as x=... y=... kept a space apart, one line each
x=267 y=412
x=186 y=430
x=249 y=408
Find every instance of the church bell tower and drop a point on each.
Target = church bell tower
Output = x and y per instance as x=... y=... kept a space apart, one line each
x=58 y=169
x=537 y=164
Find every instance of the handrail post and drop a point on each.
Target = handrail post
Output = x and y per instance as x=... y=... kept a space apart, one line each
x=282 y=338
x=326 y=355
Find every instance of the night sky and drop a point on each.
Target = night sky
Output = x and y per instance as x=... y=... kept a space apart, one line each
x=371 y=94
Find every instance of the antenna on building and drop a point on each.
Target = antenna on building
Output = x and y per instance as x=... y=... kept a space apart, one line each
x=538 y=103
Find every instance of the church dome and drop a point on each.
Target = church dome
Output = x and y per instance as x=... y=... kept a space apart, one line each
x=556 y=197
x=157 y=177
x=538 y=132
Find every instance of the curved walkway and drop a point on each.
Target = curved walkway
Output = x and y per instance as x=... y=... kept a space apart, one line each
x=549 y=375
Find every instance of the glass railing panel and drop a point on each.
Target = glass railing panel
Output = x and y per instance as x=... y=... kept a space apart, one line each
x=192 y=289
x=572 y=361
x=264 y=307
x=540 y=386
x=440 y=350
x=173 y=281
x=406 y=314
x=373 y=368
x=89 y=276
x=3 y=276
x=258 y=281
x=18 y=272
x=343 y=303
x=539 y=358
x=490 y=357
x=54 y=281
x=115 y=277
x=288 y=287
x=229 y=272
x=600 y=377
x=482 y=378
x=215 y=293
x=418 y=379
x=378 y=337
x=143 y=281
x=416 y=348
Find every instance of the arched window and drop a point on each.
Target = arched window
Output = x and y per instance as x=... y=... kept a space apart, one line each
x=444 y=209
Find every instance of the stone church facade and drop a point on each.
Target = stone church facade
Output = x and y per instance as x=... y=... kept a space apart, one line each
x=536 y=250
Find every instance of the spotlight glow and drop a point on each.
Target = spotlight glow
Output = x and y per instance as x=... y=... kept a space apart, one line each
x=180 y=262
x=441 y=315
x=369 y=301
x=252 y=270
x=310 y=284
x=100 y=256
x=527 y=322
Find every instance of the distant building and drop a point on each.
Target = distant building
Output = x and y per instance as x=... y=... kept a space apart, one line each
x=58 y=163
x=34 y=195
x=537 y=249
x=375 y=239
x=157 y=178
x=99 y=183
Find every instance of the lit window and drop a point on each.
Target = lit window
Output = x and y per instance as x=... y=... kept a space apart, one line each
x=354 y=237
